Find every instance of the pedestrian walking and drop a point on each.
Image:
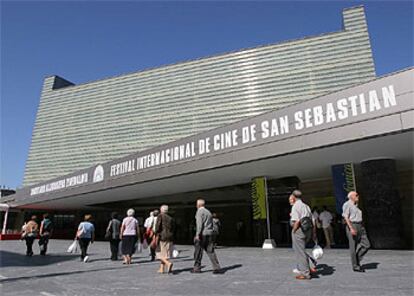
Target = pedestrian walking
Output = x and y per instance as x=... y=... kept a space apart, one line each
x=45 y=232
x=129 y=235
x=31 y=230
x=355 y=231
x=241 y=231
x=326 y=219
x=302 y=230
x=203 y=239
x=112 y=234
x=85 y=236
x=317 y=222
x=149 y=236
x=164 y=233
x=216 y=229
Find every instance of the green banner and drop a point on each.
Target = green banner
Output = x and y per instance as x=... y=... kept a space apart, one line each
x=259 y=198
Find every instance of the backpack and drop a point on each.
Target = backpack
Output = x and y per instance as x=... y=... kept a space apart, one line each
x=306 y=224
x=47 y=225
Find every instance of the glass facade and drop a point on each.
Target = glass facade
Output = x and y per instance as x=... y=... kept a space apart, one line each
x=78 y=126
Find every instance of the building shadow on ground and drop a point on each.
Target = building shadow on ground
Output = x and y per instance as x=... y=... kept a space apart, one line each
x=8 y=259
x=56 y=274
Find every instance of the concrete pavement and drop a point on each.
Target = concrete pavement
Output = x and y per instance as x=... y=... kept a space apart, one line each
x=248 y=271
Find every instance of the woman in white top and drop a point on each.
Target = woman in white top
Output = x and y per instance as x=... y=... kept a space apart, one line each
x=129 y=235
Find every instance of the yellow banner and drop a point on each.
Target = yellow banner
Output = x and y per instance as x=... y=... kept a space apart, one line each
x=259 y=198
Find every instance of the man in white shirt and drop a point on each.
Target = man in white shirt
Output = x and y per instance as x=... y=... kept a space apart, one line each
x=355 y=231
x=326 y=219
x=302 y=231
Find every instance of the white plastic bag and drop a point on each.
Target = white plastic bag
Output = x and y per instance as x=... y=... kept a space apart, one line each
x=120 y=249
x=174 y=252
x=145 y=244
x=73 y=248
x=317 y=252
x=138 y=247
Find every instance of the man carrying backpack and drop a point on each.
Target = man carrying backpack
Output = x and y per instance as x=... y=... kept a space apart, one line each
x=45 y=233
x=302 y=231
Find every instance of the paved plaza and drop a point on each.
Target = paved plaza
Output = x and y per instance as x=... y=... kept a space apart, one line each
x=248 y=271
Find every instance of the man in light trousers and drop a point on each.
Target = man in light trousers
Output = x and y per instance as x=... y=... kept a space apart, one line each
x=303 y=229
x=355 y=231
x=203 y=240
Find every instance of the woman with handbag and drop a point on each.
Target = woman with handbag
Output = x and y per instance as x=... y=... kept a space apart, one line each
x=30 y=233
x=112 y=234
x=129 y=235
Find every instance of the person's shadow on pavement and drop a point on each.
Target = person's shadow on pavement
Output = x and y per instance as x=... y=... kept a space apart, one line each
x=231 y=267
x=223 y=269
x=324 y=270
x=226 y=268
x=373 y=265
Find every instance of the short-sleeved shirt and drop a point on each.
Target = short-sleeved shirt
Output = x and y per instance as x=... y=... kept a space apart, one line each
x=299 y=211
x=87 y=229
x=351 y=211
x=148 y=221
x=326 y=218
x=130 y=226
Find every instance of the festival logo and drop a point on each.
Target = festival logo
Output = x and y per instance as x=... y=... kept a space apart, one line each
x=98 y=174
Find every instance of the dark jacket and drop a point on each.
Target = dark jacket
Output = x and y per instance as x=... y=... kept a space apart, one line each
x=114 y=228
x=165 y=227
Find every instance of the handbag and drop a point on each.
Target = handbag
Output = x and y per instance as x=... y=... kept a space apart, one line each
x=155 y=241
x=306 y=224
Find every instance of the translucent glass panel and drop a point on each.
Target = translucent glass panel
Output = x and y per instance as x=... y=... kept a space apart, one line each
x=81 y=125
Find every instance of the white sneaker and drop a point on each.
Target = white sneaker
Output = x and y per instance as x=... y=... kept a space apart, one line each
x=296 y=271
x=86 y=259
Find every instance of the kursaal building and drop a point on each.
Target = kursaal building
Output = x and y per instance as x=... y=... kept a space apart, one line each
x=241 y=130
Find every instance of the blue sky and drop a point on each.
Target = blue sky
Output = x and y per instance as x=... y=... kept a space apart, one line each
x=84 y=41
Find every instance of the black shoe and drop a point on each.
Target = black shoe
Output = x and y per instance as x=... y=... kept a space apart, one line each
x=358 y=269
x=218 y=271
x=196 y=270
